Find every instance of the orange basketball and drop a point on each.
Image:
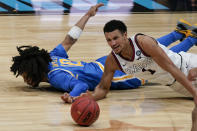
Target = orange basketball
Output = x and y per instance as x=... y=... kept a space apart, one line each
x=85 y=111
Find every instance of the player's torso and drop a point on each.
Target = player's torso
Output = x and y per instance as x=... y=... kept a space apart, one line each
x=143 y=66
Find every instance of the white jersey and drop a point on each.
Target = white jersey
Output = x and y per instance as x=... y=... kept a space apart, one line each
x=143 y=66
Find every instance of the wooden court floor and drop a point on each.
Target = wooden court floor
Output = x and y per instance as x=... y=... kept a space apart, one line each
x=148 y=108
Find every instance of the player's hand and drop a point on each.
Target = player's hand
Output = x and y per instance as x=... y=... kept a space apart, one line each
x=88 y=93
x=192 y=74
x=67 y=98
x=92 y=11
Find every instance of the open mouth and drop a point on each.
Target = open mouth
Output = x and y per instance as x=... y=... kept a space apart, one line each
x=115 y=48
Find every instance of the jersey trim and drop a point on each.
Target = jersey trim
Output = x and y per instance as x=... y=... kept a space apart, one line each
x=117 y=61
x=62 y=70
x=132 y=46
x=100 y=65
x=135 y=38
x=127 y=77
x=122 y=78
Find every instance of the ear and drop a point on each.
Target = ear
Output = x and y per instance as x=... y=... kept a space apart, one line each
x=125 y=35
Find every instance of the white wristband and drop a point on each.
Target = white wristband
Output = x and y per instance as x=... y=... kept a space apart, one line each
x=75 y=32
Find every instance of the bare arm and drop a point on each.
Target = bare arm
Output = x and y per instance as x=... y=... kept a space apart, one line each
x=159 y=56
x=103 y=87
x=69 y=41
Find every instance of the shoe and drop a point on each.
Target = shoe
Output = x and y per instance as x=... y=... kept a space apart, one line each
x=193 y=32
x=183 y=27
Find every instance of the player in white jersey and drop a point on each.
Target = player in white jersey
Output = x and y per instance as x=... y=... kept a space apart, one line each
x=142 y=55
x=143 y=66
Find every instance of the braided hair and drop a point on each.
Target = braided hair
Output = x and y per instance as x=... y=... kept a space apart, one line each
x=32 y=61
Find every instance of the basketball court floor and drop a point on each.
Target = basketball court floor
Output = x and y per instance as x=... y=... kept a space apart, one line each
x=148 y=108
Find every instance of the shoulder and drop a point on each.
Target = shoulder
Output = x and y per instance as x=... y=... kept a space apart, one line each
x=111 y=63
x=59 y=51
x=145 y=39
x=147 y=43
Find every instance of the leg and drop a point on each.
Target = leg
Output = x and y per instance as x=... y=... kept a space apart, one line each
x=170 y=38
x=187 y=43
x=181 y=31
x=184 y=45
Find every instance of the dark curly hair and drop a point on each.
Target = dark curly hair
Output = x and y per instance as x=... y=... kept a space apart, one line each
x=113 y=25
x=32 y=61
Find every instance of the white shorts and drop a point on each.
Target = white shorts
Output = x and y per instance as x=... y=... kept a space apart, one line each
x=189 y=61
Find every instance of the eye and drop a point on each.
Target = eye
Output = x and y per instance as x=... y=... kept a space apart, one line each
x=115 y=38
x=108 y=40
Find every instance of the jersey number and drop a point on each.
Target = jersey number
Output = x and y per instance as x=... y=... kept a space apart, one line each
x=65 y=62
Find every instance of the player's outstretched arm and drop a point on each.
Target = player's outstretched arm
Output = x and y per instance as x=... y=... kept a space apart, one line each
x=78 y=87
x=103 y=87
x=160 y=57
x=77 y=29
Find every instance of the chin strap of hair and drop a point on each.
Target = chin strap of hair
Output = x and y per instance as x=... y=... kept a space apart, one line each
x=75 y=32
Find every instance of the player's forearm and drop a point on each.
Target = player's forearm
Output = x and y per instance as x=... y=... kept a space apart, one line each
x=78 y=89
x=75 y=32
x=91 y=12
x=82 y=22
x=99 y=93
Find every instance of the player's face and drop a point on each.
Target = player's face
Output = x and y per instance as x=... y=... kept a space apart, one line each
x=29 y=80
x=116 y=40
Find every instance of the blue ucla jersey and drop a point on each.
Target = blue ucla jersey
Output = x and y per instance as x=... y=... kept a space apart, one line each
x=77 y=77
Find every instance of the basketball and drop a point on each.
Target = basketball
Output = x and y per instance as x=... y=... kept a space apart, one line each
x=85 y=111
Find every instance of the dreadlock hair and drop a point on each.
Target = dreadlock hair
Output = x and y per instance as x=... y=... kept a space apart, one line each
x=32 y=61
x=115 y=25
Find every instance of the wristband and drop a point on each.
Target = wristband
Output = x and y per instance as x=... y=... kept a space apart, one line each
x=75 y=32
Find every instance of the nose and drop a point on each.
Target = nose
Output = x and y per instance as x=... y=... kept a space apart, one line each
x=113 y=42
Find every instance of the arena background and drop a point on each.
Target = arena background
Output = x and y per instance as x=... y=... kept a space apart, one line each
x=45 y=23
x=79 y=6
